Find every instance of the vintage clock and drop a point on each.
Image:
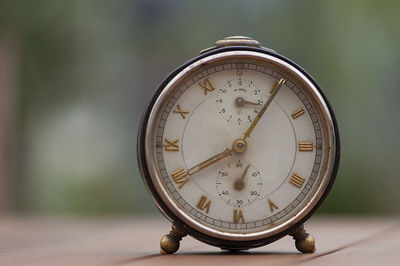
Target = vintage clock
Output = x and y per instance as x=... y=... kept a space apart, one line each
x=238 y=147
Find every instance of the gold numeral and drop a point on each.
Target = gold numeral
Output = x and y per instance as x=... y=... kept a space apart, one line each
x=181 y=111
x=297 y=113
x=171 y=145
x=272 y=205
x=204 y=204
x=179 y=176
x=305 y=146
x=296 y=180
x=207 y=85
x=238 y=216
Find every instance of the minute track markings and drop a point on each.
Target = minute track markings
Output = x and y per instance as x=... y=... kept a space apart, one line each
x=266 y=220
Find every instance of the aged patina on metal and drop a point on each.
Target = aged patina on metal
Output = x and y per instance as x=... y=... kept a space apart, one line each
x=236 y=58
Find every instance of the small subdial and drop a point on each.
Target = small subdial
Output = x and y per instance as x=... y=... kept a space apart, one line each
x=239 y=100
x=239 y=183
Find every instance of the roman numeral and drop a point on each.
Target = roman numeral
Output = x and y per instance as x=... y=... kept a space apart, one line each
x=183 y=113
x=207 y=85
x=296 y=180
x=272 y=205
x=305 y=146
x=238 y=216
x=297 y=113
x=204 y=204
x=171 y=145
x=179 y=177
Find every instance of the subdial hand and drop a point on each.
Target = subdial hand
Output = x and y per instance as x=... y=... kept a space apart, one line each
x=209 y=161
x=239 y=102
x=239 y=183
x=275 y=88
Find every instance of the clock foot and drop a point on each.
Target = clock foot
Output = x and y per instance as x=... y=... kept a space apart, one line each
x=305 y=242
x=169 y=243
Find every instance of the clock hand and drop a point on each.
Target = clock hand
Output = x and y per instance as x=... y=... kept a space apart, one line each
x=274 y=90
x=239 y=184
x=209 y=161
x=242 y=102
x=237 y=145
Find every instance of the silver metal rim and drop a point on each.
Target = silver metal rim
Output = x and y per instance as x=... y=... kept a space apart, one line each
x=176 y=209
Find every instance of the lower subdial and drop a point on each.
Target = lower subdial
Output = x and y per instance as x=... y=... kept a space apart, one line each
x=239 y=183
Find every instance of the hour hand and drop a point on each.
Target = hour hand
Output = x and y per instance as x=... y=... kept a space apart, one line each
x=239 y=102
x=209 y=161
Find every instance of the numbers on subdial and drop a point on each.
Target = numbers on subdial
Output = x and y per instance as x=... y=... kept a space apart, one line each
x=239 y=183
x=239 y=100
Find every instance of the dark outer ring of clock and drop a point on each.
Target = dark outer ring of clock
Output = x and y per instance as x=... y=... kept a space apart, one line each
x=222 y=243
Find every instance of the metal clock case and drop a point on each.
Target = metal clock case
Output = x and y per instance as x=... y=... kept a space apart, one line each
x=238 y=147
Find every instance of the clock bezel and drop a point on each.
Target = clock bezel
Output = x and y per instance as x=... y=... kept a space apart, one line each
x=230 y=240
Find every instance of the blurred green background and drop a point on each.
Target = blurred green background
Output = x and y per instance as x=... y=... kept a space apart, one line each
x=75 y=77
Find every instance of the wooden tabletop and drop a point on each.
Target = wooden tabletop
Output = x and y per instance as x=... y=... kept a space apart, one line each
x=135 y=241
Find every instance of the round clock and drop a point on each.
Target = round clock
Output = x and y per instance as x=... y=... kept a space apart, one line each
x=238 y=147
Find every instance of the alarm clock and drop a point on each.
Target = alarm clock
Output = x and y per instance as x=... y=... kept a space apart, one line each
x=238 y=147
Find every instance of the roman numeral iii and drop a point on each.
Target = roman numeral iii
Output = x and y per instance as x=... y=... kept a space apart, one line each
x=305 y=146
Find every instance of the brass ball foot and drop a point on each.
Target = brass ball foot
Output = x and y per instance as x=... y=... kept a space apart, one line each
x=169 y=243
x=304 y=242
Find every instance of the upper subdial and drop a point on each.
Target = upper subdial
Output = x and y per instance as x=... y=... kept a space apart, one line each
x=239 y=183
x=239 y=100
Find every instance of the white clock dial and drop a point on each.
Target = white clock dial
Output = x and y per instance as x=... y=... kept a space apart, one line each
x=227 y=191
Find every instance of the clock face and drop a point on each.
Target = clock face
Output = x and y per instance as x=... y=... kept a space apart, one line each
x=241 y=145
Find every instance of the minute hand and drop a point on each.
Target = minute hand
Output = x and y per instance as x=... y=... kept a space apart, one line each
x=275 y=88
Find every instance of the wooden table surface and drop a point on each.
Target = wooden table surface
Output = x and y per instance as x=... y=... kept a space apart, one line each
x=135 y=241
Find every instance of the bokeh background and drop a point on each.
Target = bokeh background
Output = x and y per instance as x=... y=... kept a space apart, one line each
x=75 y=76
